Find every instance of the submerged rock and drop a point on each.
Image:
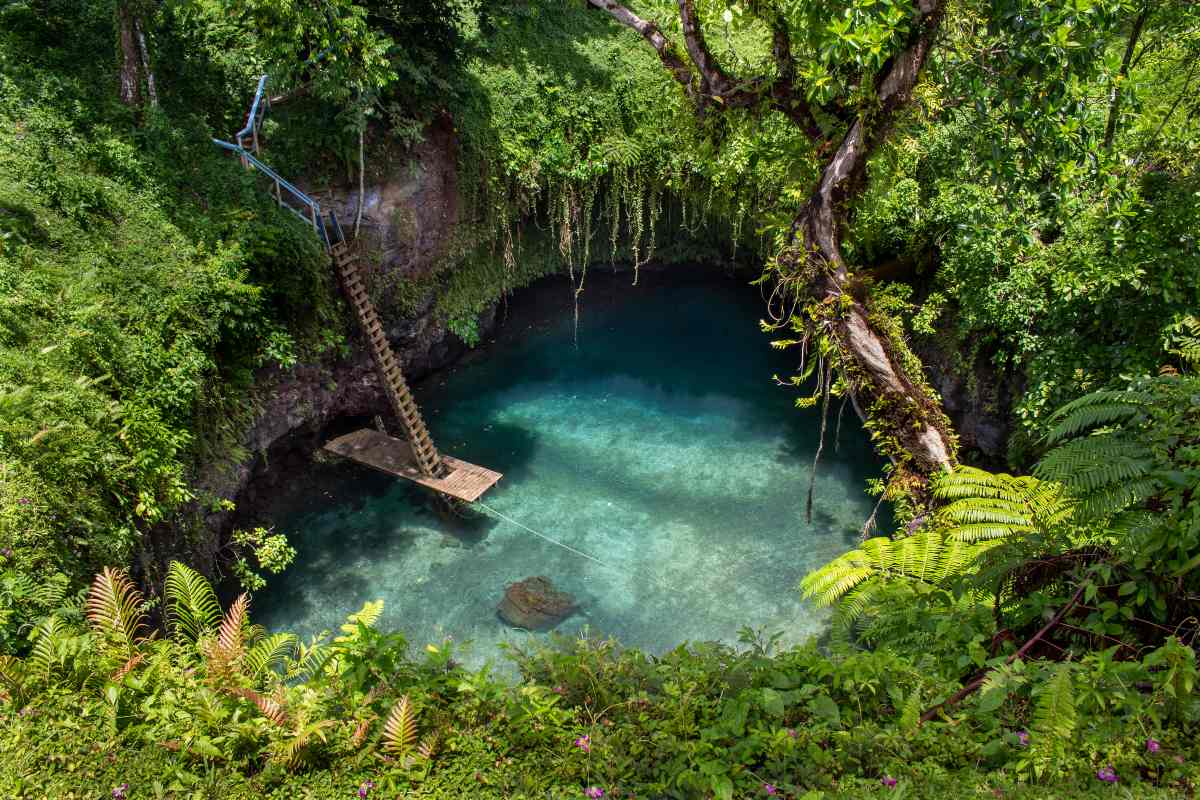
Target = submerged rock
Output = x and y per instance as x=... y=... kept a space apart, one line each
x=535 y=604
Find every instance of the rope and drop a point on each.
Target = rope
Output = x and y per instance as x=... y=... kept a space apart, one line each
x=548 y=539
x=709 y=612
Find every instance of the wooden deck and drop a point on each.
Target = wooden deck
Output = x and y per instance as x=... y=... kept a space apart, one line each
x=387 y=454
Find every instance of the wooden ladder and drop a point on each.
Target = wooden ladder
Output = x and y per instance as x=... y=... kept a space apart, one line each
x=428 y=459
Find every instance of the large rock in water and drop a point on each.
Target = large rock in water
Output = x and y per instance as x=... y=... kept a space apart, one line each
x=535 y=604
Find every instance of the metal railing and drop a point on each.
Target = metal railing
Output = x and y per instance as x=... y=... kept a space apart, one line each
x=286 y=194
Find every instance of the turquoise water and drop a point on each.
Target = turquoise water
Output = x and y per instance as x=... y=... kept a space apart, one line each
x=659 y=446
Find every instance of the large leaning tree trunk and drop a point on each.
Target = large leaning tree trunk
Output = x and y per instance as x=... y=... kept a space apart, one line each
x=885 y=381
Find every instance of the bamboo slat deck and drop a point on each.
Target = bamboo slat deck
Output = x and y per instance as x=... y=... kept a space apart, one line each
x=394 y=456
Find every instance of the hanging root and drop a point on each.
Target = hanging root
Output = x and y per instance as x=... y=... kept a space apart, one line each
x=871 y=524
x=825 y=381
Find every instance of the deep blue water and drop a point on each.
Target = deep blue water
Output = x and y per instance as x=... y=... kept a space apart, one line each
x=659 y=445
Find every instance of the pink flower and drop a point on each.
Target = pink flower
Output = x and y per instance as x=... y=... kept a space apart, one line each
x=1107 y=774
x=560 y=689
x=1152 y=745
x=594 y=791
x=118 y=792
x=584 y=743
x=769 y=788
x=888 y=781
x=791 y=732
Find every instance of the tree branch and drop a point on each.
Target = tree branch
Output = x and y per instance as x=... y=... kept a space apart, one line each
x=649 y=31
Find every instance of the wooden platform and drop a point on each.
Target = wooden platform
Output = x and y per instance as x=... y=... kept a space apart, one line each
x=393 y=456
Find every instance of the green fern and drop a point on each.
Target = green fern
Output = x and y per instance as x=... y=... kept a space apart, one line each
x=1187 y=341
x=268 y=653
x=985 y=506
x=192 y=606
x=1096 y=410
x=1054 y=719
x=852 y=580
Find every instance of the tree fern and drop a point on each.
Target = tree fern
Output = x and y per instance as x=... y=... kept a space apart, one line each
x=983 y=505
x=850 y=580
x=1095 y=410
x=192 y=606
x=114 y=608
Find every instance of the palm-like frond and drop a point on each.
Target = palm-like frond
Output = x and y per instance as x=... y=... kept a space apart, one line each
x=400 y=729
x=192 y=606
x=114 y=608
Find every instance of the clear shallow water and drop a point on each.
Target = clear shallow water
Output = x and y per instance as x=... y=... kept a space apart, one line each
x=660 y=446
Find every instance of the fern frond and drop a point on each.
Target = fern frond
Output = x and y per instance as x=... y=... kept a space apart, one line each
x=368 y=615
x=1187 y=345
x=231 y=635
x=1101 y=408
x=427 y=749
x=986 y=505
x=850 y=579
x=128 y=667
x=114 y=608
x=192 y=606
x=269 y=652
x=400 y=730
x=271 y=709
x=1054 y=715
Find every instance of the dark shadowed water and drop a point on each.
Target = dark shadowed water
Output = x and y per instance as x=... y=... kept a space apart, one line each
x=659 y=446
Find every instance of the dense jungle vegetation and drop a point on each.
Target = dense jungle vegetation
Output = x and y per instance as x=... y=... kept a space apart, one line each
x=1011 y=184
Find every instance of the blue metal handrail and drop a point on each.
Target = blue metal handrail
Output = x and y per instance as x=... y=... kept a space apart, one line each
x=258 y=110
x=314 y=216
x=252 y=120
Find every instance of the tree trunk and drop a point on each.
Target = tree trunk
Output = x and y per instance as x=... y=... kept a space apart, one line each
x=151 y=89
x=131 y=83
x=1114 y=103
x=875 y=362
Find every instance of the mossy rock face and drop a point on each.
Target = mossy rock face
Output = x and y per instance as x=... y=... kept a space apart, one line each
x=534 y=604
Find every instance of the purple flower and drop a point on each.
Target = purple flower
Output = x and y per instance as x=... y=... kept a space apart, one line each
x=1107 y=774
x=6 y=552
x=584 y=743
x=769 y=788
x=560 y=689
x=888 y=781
x=1152 y=745
x=25 y=501
x=594 y=791
x=1023 y=738
x=118 y=792
x=365 y=789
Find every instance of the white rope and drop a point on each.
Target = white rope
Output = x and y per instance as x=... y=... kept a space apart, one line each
x=548 y=539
